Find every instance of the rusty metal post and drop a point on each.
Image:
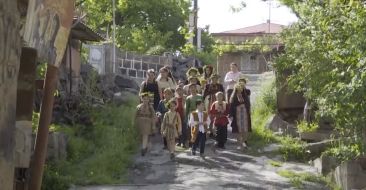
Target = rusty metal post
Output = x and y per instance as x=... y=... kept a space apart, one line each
x=44 y=122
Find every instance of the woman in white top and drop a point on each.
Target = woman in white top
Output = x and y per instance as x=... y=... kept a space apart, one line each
x=164 y=81
x=231 y=78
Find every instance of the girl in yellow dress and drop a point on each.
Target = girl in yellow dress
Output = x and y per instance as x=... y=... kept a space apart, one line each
x=171 y=127
x=145 y=120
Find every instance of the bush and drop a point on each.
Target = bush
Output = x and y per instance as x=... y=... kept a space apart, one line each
x=266 y=102
x=305 y=127
x=97 y=154
x=35 y=121
x=344 y=152
x=292 y=148
x=53 y=179
x=263 y=108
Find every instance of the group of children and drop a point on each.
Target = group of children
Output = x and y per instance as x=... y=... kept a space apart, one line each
x=187 y=114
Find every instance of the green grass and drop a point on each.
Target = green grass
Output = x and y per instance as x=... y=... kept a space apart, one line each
x=304 y=127
x=298 y=179
x=292 y=148
x=97 y=154
x=275 y=163
x=263 y=109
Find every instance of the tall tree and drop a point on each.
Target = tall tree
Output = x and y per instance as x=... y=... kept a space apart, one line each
x=141 y=25
x=325 y=54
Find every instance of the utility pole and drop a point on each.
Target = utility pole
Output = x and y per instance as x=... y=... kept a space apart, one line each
x=269 y=16
x=114 y=36
x=195 y=13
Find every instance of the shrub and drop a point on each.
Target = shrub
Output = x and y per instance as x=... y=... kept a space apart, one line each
x=344 y=152
x=292 y=148
x=266 y=102
x=97 y=154
x=305 y=127
x=263 y=108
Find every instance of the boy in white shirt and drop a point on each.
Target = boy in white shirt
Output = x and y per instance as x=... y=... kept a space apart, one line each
x=199 y=122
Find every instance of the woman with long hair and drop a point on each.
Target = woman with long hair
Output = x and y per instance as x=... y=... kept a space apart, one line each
x=164 y=81
x=240 y=112
x=151 y=86
x=208 y=71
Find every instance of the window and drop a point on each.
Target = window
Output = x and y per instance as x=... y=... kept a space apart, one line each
x=253 y=57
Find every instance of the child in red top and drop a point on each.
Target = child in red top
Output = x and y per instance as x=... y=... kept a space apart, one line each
x=180 y=102
x=219 y=113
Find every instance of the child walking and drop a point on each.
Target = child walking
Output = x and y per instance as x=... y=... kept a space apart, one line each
x=171 y=127
x=180 y=100
x=163 y=108
x=145 y=121
x=199 y=122
x=219 y=113
x=190 y=106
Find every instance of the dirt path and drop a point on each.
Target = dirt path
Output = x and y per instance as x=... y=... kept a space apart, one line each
x=222 y=169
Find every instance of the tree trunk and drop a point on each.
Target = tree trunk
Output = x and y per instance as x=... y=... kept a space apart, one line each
x=9 y=64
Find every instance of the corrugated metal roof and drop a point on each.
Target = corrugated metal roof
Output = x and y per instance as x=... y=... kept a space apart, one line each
x=82 y=32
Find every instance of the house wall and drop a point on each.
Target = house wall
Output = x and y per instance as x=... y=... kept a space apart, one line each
x=250 y=63
x=73 y=50
x=234 y=38
x=239 y=38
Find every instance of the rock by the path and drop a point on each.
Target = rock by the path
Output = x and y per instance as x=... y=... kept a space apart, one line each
x=122 y=82
x=351 y=174
x=271 y=148
x=57 y=146
x=276 y=124
x=123 y=97
x=318 y=135
x=325 y=164
x=315 y=149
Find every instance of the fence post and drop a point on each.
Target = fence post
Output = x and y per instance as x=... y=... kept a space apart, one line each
x=40 y=151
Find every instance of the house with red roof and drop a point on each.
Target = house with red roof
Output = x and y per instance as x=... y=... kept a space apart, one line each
x=252 y=48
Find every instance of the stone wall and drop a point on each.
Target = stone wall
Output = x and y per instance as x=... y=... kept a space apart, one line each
x=130 y=64
x=135 y=65
x=9 y=64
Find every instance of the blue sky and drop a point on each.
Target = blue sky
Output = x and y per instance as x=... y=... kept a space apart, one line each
x=218 y=15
